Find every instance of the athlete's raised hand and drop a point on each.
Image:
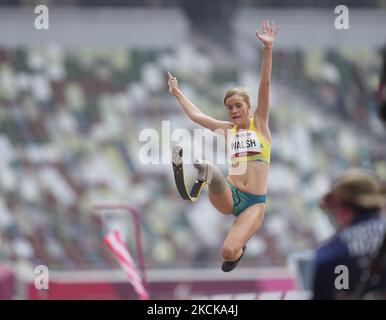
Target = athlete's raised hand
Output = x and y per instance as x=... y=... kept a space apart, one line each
x=173 y=84
x=269 y=33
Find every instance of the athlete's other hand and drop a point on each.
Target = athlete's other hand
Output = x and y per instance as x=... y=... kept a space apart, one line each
x=173 y=84
x=269 y=33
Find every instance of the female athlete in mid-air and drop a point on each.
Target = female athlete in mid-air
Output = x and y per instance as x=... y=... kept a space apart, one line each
x=243 y=195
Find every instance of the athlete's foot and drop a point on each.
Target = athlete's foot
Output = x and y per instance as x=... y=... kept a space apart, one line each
x=228 y=266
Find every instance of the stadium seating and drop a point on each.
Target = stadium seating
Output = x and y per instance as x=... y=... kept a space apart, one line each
x=70 y=122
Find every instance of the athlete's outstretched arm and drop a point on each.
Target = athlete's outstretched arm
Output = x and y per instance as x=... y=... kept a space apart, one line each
x=192 y=111
x=267 y=38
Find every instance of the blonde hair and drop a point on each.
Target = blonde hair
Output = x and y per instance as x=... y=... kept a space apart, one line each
x=242 y=92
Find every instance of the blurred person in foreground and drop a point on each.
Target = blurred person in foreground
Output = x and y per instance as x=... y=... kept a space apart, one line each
x=248 y=135
x=354 y=204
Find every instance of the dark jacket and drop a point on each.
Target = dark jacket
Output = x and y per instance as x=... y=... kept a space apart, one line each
x=352 y=247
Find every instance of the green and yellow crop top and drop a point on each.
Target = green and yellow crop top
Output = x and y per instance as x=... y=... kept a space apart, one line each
x=248 y=145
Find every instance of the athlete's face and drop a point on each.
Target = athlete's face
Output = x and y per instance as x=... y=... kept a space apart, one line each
x=238 y=110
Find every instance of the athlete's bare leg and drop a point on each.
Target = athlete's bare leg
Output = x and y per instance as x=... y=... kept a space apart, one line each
x=222 y=202
x=244 y=227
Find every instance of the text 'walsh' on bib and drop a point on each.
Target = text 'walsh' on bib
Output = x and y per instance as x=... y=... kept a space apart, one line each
x=245 y=143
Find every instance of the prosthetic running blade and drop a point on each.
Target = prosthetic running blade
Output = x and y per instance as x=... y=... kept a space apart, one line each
x=180 y=179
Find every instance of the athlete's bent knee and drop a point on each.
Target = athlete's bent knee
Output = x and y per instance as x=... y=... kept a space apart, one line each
x=230 y=252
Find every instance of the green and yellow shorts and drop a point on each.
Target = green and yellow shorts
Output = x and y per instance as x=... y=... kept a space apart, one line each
x=243 y=200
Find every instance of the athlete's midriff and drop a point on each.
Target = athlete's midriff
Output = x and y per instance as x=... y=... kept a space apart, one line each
x=253 y=179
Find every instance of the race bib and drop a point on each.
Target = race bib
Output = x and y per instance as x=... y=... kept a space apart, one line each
x=245 y=143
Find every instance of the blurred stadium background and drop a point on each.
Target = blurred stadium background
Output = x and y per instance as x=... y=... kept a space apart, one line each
x=74 y=98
